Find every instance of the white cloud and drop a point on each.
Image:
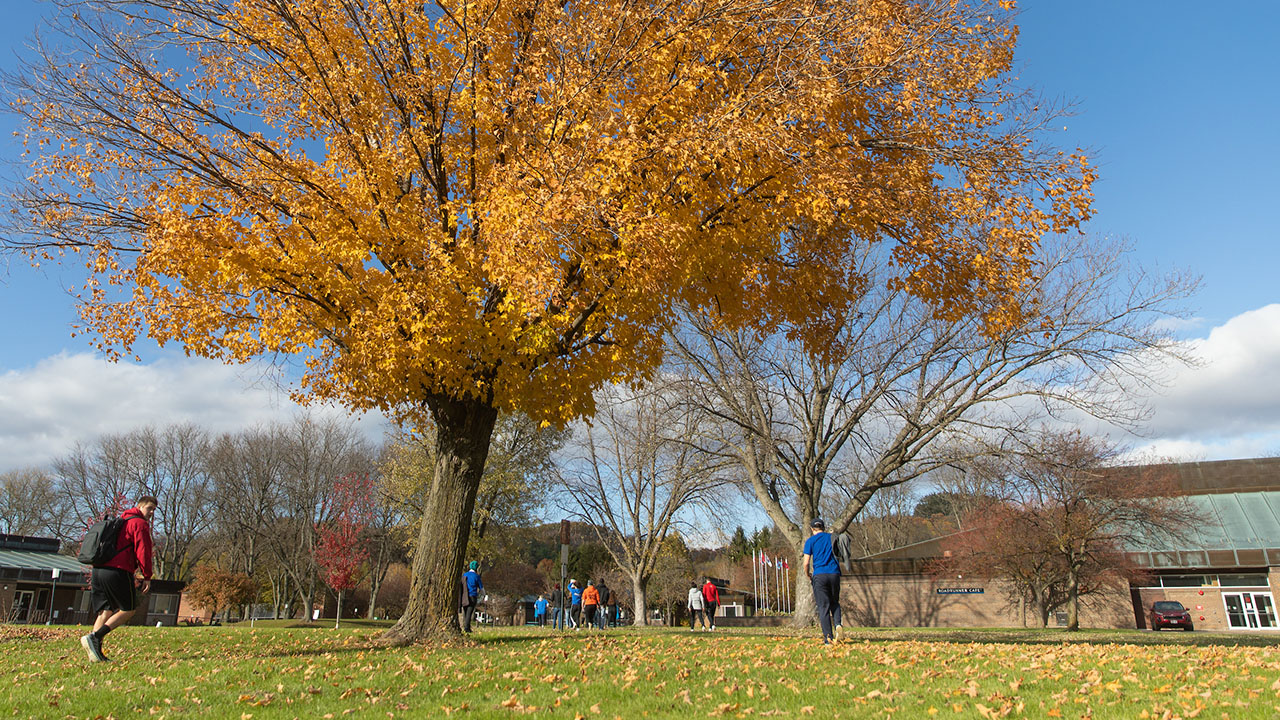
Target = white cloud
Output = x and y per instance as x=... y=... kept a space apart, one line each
x=1226 y=407
x=65 y=399
x=1229 y=405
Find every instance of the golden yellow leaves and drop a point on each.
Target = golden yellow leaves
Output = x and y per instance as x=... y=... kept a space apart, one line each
x=509 y=206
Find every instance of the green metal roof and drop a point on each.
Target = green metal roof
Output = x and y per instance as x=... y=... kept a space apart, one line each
x=1239 y=530
x=27 y=560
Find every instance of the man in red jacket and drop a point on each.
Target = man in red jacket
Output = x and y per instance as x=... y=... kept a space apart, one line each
x=710 y=600
x=114 y=586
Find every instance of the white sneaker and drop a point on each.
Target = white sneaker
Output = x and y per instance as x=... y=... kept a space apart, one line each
x=839 y=633
x=713 y=627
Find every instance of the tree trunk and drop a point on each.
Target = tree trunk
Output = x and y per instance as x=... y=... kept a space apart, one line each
x=308 y=605
x=806 y=612
x=463 y=432
x=375 y=582
x=638 y=594
x=337 y=616
x=373 y=601
x=1041 y=607
x=1073 y=599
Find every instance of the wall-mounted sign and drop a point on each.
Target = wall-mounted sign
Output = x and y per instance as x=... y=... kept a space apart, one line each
x=961 y=591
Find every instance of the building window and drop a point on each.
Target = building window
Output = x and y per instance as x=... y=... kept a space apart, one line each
x=1184 y=581
x=1250 y=580
x=164 y=604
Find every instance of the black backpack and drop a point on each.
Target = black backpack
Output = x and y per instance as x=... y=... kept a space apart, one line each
x=99 y=544
x=842 y=548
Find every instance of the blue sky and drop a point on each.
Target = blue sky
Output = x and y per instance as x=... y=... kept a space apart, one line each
x=1177 y=102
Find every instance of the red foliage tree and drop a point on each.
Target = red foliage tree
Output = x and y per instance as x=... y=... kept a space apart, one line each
x=342 y=549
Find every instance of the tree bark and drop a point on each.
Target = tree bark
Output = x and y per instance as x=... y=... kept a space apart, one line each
x=1073 y=599
x=806 y=612
x=638 y=594
x=464 y=429
x=308 y=603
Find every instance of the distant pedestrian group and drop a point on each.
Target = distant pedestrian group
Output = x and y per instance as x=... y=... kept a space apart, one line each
x=702 y=605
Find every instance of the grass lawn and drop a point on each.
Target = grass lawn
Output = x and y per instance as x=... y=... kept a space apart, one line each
x=275 y=671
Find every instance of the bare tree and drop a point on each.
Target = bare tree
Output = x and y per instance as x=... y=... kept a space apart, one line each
x=273 y=484
x=634 y=470
x=92 y=481
x=247 y=471
x=29 y=503
x=168 y=463
x=897 y=389
x=1080 y=513
x=315 y=454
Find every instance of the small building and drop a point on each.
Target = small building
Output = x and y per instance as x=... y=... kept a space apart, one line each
x=38 y=585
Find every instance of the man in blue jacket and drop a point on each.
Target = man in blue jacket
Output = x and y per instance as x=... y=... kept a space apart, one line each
x=575 y=604
x=822 y=567
x=474 y=586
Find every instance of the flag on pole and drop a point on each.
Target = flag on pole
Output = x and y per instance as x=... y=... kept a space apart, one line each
x=764 y=559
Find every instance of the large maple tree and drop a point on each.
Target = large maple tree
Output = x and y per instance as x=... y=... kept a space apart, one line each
x=451 y=208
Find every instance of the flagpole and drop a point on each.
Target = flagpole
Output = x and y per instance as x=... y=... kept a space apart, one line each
x=764 y=572
x=755 y=586
x=778 y=572
x=777 y=584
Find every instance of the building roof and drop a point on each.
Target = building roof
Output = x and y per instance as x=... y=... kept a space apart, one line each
x=1241 y=529
x=1217 y=476
x=29 y=566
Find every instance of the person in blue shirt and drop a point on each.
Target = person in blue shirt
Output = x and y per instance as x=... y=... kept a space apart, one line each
x=475 y=588
x=575 y=604
x=822 y=567
x=540 y=610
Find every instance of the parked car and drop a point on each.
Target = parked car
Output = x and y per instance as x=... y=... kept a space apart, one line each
x=1170 y=613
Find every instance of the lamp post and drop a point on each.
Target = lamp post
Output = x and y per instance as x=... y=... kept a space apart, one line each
x=53 y=587
x=564 y=570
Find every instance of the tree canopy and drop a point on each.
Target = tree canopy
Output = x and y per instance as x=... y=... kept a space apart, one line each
x=452 y=208
x=503 y=200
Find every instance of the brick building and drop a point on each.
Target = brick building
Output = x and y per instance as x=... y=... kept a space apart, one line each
x=1226 y=571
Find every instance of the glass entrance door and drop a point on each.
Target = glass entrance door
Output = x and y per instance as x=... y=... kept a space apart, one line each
x=1250 y=610
x=21 y=606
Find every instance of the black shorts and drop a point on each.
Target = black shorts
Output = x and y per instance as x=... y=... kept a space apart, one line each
x=112 y=589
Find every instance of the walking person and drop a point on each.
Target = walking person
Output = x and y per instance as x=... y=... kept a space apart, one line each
x=474 y=587
x=540 y=611
x=710 y=600
x=602 y=613
x=114 y=586
x=696 y=607
x=824 y=571
x=575 y=603
x=590 y=603
x=557 y=598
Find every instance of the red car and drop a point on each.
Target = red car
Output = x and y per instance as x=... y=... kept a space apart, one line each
x=1170 y=613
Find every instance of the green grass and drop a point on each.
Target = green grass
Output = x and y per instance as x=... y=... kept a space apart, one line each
x=307 y=672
